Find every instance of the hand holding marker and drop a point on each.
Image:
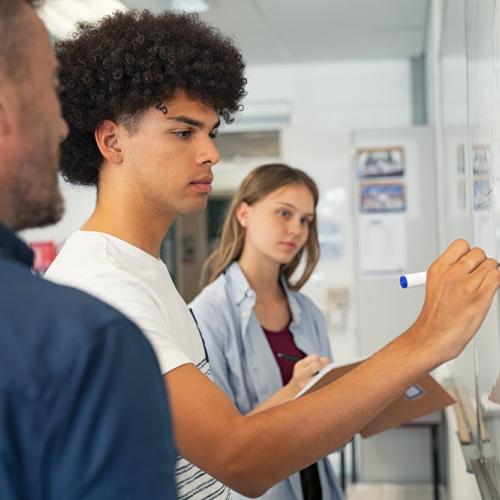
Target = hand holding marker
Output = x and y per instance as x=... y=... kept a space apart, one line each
x=414 y=279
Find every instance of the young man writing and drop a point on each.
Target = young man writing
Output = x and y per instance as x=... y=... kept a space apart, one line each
x=143 y=96
x=83 y=408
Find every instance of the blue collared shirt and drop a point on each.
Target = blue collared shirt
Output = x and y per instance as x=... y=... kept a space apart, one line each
x=83 y=408
x=242 y=361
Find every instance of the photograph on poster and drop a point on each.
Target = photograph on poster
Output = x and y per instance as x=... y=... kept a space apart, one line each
x=481 y=159
x=378 y=162
x=482 y=194
x=382 y=197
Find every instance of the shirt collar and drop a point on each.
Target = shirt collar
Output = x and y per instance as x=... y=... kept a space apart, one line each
x=242 y=290
x=14 y=248
x=239 y=283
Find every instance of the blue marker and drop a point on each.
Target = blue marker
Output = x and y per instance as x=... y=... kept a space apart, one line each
x=413 y=279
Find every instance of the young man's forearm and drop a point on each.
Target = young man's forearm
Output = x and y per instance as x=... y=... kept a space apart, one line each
x=251 y=453
x=287 y=438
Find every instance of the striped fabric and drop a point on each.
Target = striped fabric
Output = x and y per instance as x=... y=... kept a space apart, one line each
x=193 y=483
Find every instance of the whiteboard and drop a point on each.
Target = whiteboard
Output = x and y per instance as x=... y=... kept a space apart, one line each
x=469 y=164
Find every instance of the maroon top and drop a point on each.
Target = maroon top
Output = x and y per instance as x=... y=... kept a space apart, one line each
x=282 y=341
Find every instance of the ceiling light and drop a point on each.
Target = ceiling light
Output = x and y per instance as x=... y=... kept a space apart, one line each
x=61 y=16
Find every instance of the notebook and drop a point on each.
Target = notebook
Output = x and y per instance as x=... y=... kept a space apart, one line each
x=425 y=396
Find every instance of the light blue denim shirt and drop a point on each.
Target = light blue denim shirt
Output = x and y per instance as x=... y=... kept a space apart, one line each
x=243 y=363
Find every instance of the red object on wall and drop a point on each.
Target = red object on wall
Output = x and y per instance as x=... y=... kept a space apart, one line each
x=45 y=253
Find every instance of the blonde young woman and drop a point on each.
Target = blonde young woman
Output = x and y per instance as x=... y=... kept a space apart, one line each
x=254 y=321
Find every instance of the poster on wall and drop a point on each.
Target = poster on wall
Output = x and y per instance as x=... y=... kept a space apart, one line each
x=481 y=154
x=380 y=161
x=330 y=239
x=331 y=212
x=482 y=189
x=382 y=244
x=45 y=252
x=382 y=197
x=482 y=194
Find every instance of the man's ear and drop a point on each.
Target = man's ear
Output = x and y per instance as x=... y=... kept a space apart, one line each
x=107 y=137
x=241 y=213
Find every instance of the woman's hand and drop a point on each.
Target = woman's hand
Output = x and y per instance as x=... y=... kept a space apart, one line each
x=305 y=369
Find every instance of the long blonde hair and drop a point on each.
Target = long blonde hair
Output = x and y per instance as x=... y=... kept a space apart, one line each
x=256 y=185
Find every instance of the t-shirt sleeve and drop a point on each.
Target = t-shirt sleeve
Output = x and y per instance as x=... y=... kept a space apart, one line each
x=134 y=299
x=113 y=438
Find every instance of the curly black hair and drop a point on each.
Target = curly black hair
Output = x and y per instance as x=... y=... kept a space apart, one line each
x=124 y=64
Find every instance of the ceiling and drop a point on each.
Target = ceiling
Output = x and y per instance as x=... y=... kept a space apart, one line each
x=293 y=31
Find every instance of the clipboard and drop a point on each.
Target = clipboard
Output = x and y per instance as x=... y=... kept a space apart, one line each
x=425 y=396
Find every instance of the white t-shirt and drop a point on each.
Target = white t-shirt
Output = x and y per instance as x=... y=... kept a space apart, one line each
x=139 y=285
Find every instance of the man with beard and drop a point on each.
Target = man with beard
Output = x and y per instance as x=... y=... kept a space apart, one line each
x=83 y=410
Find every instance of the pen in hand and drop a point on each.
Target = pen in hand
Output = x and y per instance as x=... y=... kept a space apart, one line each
x=288 y=357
